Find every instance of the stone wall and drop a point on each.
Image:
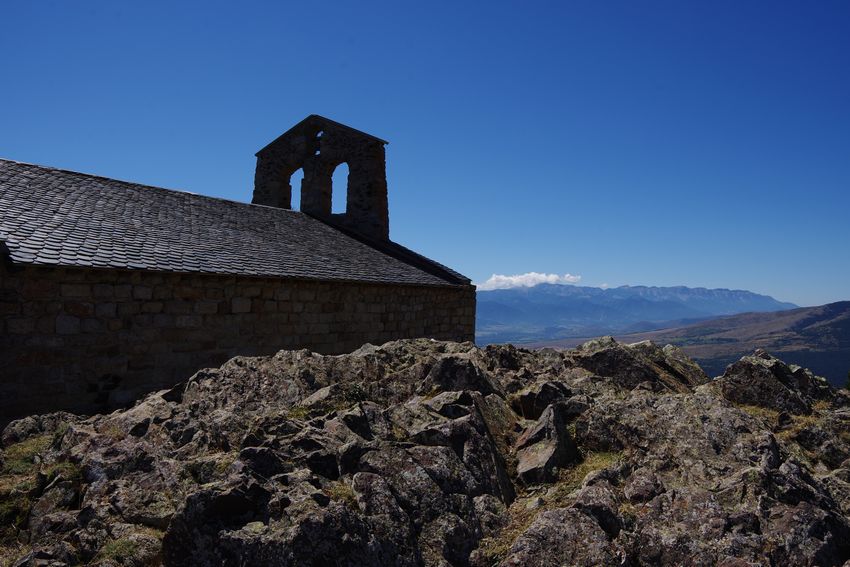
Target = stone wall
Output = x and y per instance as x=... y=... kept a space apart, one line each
x=90 y=340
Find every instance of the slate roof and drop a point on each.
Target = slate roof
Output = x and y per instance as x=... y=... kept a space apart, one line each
x=56 y=217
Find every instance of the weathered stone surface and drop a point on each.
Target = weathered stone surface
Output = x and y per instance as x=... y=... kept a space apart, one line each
x=545 y=448
x=640 y=363
x=764 y=381
x=642 y=485
x=562 y=537
x=457 y=372
x=600 y=502
x=674 y=361
x=531 y=402
x=412 y=453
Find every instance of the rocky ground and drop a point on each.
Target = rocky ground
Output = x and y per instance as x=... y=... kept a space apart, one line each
x=433 y=453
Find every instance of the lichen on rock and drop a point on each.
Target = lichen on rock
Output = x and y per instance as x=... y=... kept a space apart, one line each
x=423 y=452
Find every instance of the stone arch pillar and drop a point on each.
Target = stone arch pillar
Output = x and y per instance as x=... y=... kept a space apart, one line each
x=316 y=188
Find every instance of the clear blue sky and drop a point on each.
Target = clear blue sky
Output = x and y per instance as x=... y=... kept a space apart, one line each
x=658 y=143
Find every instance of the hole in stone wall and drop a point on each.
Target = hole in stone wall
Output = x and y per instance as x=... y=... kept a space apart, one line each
x=339 y=189
x=295 y=183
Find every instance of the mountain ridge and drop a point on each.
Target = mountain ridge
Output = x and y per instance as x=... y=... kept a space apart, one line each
x=554 y=311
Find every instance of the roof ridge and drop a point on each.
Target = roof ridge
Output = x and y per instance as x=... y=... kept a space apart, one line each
x=145 y=186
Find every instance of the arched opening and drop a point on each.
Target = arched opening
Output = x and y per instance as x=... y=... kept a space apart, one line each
x=339 y=189
x=295 y=182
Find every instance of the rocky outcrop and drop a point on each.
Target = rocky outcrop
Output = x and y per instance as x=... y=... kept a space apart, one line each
x=434 y=453
x=764 y=381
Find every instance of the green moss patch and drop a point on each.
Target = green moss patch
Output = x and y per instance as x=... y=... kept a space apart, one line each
x=19 y=458
x=120 y=550
x=17 y=481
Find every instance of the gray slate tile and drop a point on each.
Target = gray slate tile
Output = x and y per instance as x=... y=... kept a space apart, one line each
x=57 y=217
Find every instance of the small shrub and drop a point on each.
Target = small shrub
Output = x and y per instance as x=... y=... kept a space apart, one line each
x=341 y=491
x=17 y=480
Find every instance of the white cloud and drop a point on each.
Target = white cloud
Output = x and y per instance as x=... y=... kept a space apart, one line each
x=531 y=279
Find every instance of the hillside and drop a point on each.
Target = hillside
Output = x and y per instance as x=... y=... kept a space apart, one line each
x=814 y=337
x=551 y=312
x=426 y=453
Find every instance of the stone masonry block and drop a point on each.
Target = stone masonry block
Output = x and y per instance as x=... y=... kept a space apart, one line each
x=206 y=307
x=103 y=291
x=106 y=309
x=67 y=325
x=189 y=321
x=142 y=292
x=75 y=290
x=124 y=291
x=20 y=326
x=240 y=305
x=152 y=307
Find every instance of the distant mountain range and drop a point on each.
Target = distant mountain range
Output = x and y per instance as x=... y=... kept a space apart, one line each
x=549 y=312
x=817 y=338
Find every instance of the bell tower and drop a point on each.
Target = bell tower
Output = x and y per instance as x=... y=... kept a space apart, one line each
x=319 y=145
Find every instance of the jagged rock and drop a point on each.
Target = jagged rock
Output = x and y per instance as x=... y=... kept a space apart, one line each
x=764 y=381
x=563 y=537
x=531 y=402
x=491 y=514
x=641 y=364
x=35 y=425
x=545 y=447
x=451 y=404
x=432 y=453
x=599 y=501
x=674 y=361
x=457 y=372
x=642 y=485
